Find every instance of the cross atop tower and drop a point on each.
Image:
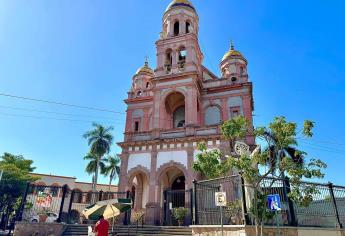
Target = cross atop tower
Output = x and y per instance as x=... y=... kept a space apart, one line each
x=146 y=60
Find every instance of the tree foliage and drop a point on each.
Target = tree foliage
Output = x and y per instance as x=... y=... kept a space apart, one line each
x=235 y=129
x=280 y=157
x=112 y=168
x=209 y=162
x=99 y=139
x=16 y=174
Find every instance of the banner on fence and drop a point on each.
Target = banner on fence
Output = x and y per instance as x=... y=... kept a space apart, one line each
x=44 y=199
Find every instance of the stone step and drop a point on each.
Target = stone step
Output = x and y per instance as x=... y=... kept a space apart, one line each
x=81 y=230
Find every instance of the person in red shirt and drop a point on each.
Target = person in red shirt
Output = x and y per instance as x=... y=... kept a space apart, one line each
x=102 y=227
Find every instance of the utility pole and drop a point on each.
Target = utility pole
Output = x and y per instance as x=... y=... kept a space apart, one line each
x=1 y=172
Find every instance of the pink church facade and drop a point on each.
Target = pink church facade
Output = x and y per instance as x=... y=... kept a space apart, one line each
x=174 y=107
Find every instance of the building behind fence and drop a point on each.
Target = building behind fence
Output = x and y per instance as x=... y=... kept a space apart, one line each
x=61 y=204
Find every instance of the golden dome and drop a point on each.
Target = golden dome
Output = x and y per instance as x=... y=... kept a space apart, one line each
x=145 y=70
x=180 y=3
x=233 y=54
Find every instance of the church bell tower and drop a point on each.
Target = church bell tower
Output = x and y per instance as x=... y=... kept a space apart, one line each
x=178 y=48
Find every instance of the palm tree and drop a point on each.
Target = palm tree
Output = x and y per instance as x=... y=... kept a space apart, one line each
x=112 y=169
x=91 y=166
x=99 y=139
x=277 y=150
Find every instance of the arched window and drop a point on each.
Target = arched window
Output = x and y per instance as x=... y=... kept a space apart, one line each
x=188 y=27
x=139 y=93
x=168 y=60
x=175 y=108
x=182 y=54
x=212 y=115
x=179 y=117
x=176 y=28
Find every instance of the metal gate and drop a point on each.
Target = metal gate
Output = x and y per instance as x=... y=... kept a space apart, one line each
x=175 y=199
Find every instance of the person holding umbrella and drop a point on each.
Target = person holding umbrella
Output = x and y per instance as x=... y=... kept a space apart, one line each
x=107 y=209
x=102 y=226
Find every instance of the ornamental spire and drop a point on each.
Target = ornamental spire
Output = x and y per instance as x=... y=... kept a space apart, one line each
x=146 y=61
x=232 y=45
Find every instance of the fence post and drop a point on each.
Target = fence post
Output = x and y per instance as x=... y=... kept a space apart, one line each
x=195 y=206
x=64 y=191
x=22 y=203
x=330 y=186
x=126 y=220
x=191 y=206
x=244 y=203
x=100 y=195
x=70 y=206
x=292 y=213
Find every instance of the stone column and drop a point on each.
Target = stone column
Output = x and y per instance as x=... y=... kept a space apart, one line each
x=225 y=109
x=123 y=172
x=247 y=111
x=191 y=107
x=146 y=119
x=191 y=173
x=152 y=206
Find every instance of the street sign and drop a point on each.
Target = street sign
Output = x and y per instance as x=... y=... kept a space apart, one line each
x=220 y=198
x=273 y=202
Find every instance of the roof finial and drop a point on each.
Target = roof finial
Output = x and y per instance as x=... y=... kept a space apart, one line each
x=146 y=61
x=232 y=45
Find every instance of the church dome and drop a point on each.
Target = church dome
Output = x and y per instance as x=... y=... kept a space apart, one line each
x=180 y=3
x=145 y=70
x=233 y=54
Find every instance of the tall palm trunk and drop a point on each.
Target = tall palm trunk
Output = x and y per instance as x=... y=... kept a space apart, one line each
x=96 y=174
x=110 y=180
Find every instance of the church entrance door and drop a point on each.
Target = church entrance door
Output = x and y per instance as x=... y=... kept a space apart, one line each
x=176 y=197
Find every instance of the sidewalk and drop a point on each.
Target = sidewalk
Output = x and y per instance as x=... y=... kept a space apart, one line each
x=3 y=233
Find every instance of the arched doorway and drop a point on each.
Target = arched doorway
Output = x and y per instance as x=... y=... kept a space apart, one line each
x=174 y=193
x=139 y=188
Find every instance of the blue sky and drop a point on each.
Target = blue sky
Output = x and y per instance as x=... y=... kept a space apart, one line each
x=85 y=52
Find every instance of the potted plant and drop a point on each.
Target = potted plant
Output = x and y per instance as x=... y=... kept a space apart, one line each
x=138 y=215
x=43 y=215
x=180 y=214
x=234 y=212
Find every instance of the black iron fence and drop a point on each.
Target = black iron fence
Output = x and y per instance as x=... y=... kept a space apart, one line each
x=55 y=203
x=175 y=199
x=325 y=209
x=207 y=213
x=60 y=204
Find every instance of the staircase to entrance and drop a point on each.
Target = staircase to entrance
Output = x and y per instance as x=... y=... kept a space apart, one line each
x=81 y=230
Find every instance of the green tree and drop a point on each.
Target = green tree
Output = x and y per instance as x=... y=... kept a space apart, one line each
x=281 y=139
x=280 y=153
x=285 y=138
x=112 y=168
x=209 y=162
x=16 y=173
x=235 y=129
x=92 y=164
x=99 y=139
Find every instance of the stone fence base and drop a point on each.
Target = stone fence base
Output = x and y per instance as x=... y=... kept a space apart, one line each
x=38 y=229
x=232 y=230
